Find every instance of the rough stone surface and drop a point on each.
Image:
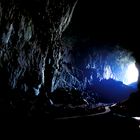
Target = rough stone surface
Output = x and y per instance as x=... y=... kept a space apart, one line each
x=31 y=51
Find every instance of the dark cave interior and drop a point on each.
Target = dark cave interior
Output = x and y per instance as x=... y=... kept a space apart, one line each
x=67 y=61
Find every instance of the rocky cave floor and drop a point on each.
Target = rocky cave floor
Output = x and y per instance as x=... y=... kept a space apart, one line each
x=66 y=110
x=61 y=104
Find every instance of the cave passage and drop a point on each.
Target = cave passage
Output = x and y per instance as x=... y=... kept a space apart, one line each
x=112 y=74
x=105 y=69
x=51 y=72
x=101 y=51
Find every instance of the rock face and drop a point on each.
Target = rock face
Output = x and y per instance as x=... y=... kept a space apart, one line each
x=31 y=51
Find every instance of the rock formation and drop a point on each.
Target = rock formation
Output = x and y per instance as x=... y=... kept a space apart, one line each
x=31 y=51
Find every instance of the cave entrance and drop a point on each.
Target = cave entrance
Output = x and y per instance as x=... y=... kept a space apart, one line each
x=107 y=70
x=111 y=73
x=97 y=50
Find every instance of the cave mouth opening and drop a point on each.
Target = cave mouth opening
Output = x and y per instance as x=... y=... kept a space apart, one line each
x=131 y=75
x=106 y=69
x=128 y=75
x=112 y=73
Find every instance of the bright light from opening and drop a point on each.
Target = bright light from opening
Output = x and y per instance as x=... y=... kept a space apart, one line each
x=131 y=74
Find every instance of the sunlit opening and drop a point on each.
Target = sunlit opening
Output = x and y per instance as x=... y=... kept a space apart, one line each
x=131 y=74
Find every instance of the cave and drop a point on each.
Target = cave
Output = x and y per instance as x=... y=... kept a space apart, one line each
x=69 y=62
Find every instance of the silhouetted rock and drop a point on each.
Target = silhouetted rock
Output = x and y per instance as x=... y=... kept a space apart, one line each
x=112 y=91
x=65 y=97
x=129 y=107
